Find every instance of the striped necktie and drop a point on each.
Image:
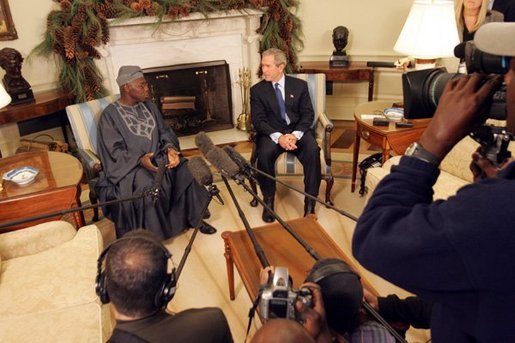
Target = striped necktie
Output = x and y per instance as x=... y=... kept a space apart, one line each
x=280 y=101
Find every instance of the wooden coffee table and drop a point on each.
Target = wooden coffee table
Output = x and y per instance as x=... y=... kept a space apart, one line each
x=388 y=138
x=281 y=249
x=56 y=188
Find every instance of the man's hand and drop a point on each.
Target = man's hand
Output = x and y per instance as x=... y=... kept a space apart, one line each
x=173 y=158
x=482 y=168
x=315 y=321
x=288 y=142
x=461 y=108
x=265 y=273
x=146 y=162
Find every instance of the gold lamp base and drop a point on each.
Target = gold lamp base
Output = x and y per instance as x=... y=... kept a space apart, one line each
x=242 y=122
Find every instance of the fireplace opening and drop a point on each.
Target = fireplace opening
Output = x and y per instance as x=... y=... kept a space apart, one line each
x=193 y=97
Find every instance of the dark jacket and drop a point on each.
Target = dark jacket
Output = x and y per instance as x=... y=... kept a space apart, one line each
x=458 y=253
x=266 y=116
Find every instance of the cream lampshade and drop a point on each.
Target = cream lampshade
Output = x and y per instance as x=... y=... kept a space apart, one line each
x=5 y=99
x=430 y=32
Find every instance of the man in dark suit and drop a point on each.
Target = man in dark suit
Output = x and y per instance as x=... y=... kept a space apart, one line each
x=282 y=114
x=136 y=282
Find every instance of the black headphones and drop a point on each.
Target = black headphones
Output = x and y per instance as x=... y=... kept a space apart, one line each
x=166 y=290
x=330 y=267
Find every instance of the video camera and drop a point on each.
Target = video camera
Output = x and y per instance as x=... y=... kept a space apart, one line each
x=278 y=298
x=422 y=90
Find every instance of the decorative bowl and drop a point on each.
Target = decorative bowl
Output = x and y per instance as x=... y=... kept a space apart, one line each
x=394 y=113
x=21 y=176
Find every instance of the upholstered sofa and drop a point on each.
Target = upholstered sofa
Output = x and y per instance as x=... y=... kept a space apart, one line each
x=455 y=172
x=47 y=285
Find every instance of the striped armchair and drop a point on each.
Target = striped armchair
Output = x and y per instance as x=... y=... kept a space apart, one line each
x=287 y=163
x=83 y=119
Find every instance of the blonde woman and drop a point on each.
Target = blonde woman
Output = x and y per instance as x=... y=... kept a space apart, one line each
x=471 y=14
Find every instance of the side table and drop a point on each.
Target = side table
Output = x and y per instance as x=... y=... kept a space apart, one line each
x=355 y=72
x=56 y=187
x=388 y=138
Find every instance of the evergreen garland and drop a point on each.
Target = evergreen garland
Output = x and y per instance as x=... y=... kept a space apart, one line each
x=79 y=27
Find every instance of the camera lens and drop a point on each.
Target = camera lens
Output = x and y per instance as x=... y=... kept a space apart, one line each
x=422 y=90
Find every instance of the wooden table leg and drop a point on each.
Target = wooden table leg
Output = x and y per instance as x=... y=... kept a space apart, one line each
x=230 y=266
x=355 y=156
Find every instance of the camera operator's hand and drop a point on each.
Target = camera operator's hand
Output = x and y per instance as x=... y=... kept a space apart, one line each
x=462 y=107
x=265 y=274
x=315 y=321
x=482 y=168
x=146 y=162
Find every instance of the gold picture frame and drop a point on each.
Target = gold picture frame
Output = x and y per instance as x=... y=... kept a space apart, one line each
x=7 y=29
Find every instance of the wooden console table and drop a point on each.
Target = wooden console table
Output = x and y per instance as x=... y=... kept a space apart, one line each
x=355 y=72
x=46 y=103
x=56 y=187
x=388 y=138
x=281 y=249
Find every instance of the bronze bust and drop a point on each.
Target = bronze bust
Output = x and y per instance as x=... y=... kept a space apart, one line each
x=340 y=39
x=17 y=87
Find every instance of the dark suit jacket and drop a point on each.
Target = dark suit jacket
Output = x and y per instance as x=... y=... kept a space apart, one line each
x=506 y=7
x=207 y=325
x=264 y=108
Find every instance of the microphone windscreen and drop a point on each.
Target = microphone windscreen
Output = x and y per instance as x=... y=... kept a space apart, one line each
x=222 y=162
x=203 y=142
x=200 y=170
x=459 y=50
x=237 y=158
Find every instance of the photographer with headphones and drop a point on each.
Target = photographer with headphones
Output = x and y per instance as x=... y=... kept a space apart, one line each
x=137 y=283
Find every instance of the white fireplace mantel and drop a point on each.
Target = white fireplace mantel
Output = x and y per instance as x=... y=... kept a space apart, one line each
x=229 y=36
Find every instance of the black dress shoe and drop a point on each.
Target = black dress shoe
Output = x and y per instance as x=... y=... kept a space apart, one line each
x=206 y=228
x=309 y=207
x=267 y=216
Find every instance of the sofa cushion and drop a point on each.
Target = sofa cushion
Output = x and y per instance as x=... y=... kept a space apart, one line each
x=80 y=323
x=56 y=278
x=35 y=239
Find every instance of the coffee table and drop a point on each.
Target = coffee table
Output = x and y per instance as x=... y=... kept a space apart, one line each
x=281 y=249
x=55 y=188
x=388 y=138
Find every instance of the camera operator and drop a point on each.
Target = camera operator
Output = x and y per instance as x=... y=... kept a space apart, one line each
x=136 y=282
x=459 y=253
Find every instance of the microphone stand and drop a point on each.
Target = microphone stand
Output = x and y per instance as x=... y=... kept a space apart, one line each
x=284 y=224
x=153 y=192
x=257 y=247
x=73 y=209
x=212 y=191
x=326 y=204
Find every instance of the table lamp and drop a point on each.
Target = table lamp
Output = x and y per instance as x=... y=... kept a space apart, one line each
x=5 y=98
x=430 y=32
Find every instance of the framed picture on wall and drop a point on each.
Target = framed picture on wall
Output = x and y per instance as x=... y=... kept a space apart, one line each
x=7 y=30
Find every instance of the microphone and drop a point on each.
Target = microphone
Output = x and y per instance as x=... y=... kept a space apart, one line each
x=379 y=64
x=224 y=163
x=201 y=172
x=241 y=162
x=203 y=142
x=158 y=179
x=459 y=50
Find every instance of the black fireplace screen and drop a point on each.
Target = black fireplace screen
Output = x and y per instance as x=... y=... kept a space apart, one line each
x=193 y=97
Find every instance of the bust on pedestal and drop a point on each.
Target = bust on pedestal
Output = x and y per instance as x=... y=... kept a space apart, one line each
x=340 y=38
x=17 y=87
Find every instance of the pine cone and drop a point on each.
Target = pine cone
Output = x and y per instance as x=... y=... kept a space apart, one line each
x=68 y=43
x=66 y=5
x=104 y=26
x=92 y=36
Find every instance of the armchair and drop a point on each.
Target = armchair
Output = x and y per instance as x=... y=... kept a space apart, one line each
x=287 y=163
x=83 y=119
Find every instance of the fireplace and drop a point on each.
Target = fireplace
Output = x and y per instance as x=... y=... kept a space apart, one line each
x=193 y=97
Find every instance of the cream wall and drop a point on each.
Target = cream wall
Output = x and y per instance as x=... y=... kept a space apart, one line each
x=374 y=26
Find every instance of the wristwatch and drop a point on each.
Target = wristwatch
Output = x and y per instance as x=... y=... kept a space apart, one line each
x=416 y=150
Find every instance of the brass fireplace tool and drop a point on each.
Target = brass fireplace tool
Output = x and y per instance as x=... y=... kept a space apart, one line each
x=244 y=81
